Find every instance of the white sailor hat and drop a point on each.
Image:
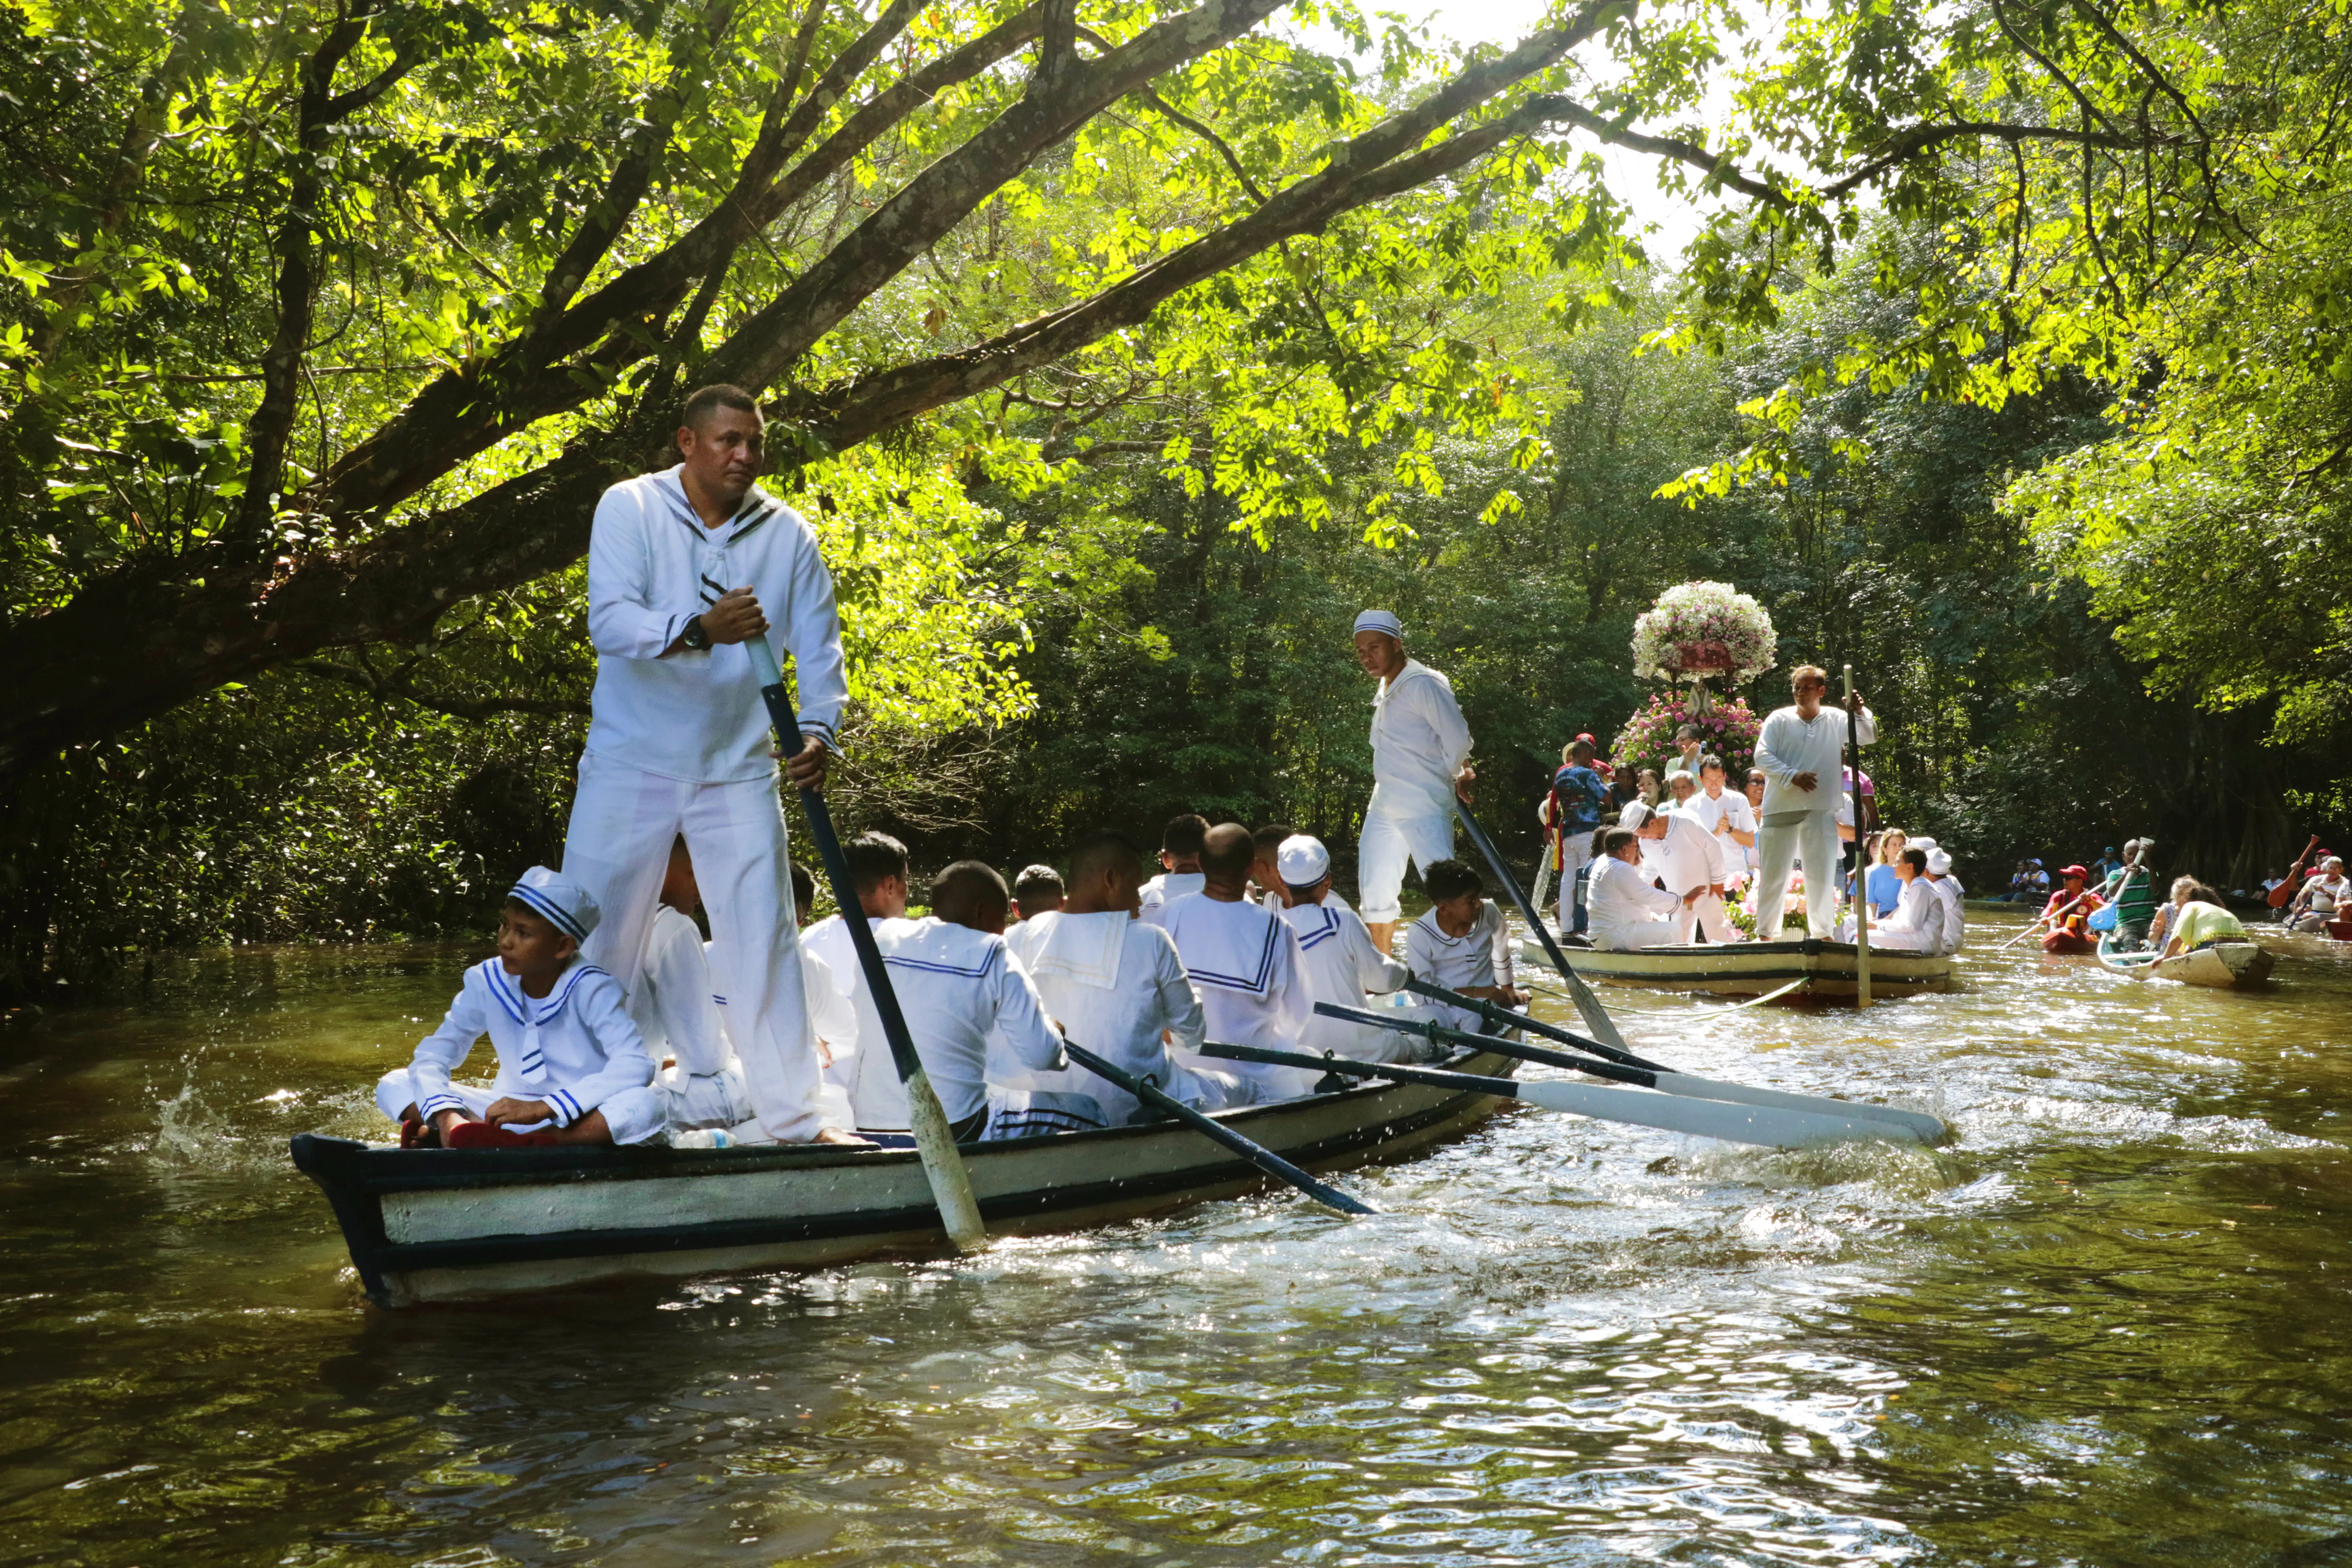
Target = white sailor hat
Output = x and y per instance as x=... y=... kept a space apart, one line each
x=1938 y=862
x=1633 y=815
x=567 y=905
x=1301 y=861
x=1381 y=621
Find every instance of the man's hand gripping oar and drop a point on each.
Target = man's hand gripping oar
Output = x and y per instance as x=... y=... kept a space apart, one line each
x=934 y=1139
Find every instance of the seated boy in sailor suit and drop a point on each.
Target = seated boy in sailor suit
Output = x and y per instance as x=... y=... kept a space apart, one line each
x=572 y=1067
x=1341 y=963
x=958 y=984
x=1462 y=943
x=1244 y=961
x=1114 y=985
x=677 y=1010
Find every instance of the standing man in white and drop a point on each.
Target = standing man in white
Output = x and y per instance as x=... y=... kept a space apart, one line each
x=1420 y=756
x=684 y=566
x=1801 y=754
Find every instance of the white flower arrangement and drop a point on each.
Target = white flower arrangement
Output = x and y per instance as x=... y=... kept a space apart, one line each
x=1705 y=628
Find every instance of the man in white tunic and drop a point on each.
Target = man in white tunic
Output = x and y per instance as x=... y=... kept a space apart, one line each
x=1342 y=962
x=1725 y=814
x=1918 y=923
x=1180 y=865
x=1947 y=888
x=1690 y=862
x=1421 y=754
x=683 y=567
x=869 y=1077
x=1630 y=911
x=1245 y=962
x=677 y=1007
x=1801 y=753
x=1114 y=985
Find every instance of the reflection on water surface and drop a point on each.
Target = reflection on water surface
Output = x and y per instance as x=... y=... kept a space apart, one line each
x=2108 y=1325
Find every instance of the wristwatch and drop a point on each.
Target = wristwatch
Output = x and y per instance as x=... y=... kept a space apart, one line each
x=694 y=636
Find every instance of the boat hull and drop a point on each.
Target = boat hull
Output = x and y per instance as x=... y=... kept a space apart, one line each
x=2227 y=966
x=1827 y=970
x=426 y=1225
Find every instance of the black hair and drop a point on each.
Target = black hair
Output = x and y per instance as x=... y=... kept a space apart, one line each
x=1450 y=879
x=1269 y=839
x=874 y=858
x=970 y=893
x=1709 y=760
x=1581 y=750
x=1101 y=850
x=1612 y=839
x=718 y=395
x=1685 y=732
x=1917 y=860
x=804 y=888
x=1036 y=880
x=1231 y=862
x=1183 y=835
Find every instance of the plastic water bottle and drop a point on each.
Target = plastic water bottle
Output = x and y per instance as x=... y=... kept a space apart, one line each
x=701 y=1138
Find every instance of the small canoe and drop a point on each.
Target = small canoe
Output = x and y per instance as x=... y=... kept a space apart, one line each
x=1752 y=968
x=2229 y=965
x=454 y=1225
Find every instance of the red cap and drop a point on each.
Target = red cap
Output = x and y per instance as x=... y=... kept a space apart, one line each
x=2075 y=871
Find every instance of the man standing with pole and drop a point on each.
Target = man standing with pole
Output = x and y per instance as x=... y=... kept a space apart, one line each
x=1420 y=753
x=1800 y=752
x=684 y=567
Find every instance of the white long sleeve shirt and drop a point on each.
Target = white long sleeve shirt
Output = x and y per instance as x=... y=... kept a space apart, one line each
x=652 y=565
x=1791 y=744
x=1622 y=896
x=1165 y=890
x=1114 y=983
x=1481 y=957
x=1243 y=961
x=1918 y=923
x=1718 y=812
x=574 y=1047
x=1420 y=742
x=955 y=986
x=676 y=1008
x=1341 y=966
x=1948 y=889
x=1687 y=857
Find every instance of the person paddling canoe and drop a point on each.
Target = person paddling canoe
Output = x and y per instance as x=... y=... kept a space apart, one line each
x=2069 y=914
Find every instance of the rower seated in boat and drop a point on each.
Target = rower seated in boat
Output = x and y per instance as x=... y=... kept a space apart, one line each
x=967 y=1002
x=1038 y=891
x=1342 y=965
x=677 y=1009
x=1179 y=861
x=2069 y=914
x=1462 y=942
x=1243 y=960
x=572 y=1067
x=1114 y=985
x=2321 y=901
x=1918 y=923
x=1630 y=911
x=2199 y=920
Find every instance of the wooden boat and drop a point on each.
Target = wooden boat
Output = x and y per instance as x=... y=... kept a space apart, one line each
x=1753 y=968
x=2229 y=966
x=444 y=1225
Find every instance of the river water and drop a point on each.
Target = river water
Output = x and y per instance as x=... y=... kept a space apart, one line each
x=2107 y=1325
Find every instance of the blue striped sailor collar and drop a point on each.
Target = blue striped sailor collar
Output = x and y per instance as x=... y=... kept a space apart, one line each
x=1321 y=924
x=935 y=946
x=756 y=510
x=529 y=1010
x=1260 y=979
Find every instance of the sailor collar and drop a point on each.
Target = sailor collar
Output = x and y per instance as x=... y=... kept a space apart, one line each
x=532 y=1012
x=1388 y=684
x=757 y=510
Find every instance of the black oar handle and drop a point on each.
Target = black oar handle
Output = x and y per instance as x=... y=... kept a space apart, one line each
x=1504 y=1018
x=1501 y=1048
x=1502 y=1088
x=1257 y=1154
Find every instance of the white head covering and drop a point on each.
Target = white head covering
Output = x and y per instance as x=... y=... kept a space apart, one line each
x=1918 y=841
x=1633 y=815
x=1301 y=861
x=564 y=902
x=1381 y=621
x=1938 y=862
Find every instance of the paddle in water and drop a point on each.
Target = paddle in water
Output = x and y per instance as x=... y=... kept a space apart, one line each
x=1587 y=1006
x=1257 y=1154
x=934 y=1137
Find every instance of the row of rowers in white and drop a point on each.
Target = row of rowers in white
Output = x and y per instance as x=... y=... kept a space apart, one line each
x=988 y=1008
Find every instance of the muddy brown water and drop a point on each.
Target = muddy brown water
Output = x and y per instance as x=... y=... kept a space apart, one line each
x=2107 y=1325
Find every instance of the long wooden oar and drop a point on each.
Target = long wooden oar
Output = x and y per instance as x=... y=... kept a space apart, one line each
x=1257 y=1154
x=1587 y=1006
x=1916 y=1124
x=1496 y=1016
x=934 y=1138
x=1772 y=1129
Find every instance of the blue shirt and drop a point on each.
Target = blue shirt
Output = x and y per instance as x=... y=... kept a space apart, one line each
x=1885 y=889
x=1581 y=795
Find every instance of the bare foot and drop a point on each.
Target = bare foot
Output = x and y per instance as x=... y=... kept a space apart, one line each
x=834 y=1135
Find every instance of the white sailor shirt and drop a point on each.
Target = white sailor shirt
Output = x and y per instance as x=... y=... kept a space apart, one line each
x=676 y=1008
x=573 y=1048
x=1947 y=888
x=1245 y=964
x=1480 y=957
x=652 y=565
x=1341 y=965
x=955 y=985
x=1918 y=923
x=1789 y=745
x=1165 y=890
x=1420 y=742
x=1114 y=983
x=1622 y=896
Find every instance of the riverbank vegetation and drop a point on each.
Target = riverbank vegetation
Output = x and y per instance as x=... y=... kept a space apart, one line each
x=1120 y=354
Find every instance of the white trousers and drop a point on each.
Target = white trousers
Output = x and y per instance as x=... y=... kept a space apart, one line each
x=633 y=1114
x=1707 y=916
x=1386 y=844
x=623 y=822
x=1634 y=938
x=1813 y=839
x=1575 y=856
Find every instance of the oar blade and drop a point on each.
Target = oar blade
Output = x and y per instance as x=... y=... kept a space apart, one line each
x=1764 y=1126
x=1918 y=1124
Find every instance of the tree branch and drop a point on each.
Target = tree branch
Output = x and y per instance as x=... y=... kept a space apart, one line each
x=400 y=686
